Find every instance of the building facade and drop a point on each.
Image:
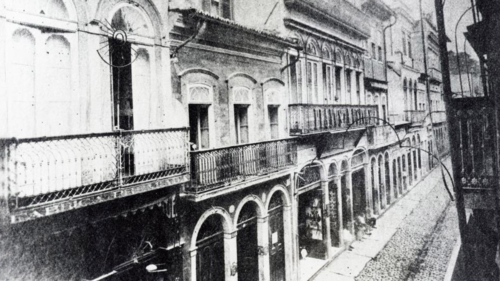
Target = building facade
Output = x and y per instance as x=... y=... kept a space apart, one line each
x=203 y=139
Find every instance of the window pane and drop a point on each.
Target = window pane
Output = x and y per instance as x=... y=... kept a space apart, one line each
x=204 y=127
x=315 y=78
x=273 y=121
x=226 y=9
x=309 y=82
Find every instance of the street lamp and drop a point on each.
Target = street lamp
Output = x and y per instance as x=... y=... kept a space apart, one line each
x=155 y=268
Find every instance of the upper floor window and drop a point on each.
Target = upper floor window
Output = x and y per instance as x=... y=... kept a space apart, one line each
x=380 y=58
x=374 y=51
x=274 y=121
x=221 y=8
x=409 y=47
x=404 y=43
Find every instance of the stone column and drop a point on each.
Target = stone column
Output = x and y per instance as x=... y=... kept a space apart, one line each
x=291 y=248
x=327 y=241
x=376 y=197
x=231 y=256
x=338 y=180
x=368 y=190
x=348 y=175
x=192 y=255
x=263 y=244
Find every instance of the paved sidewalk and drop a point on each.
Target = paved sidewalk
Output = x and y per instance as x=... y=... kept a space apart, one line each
x=398 y=247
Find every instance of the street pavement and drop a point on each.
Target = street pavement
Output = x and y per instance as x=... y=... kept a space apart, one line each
x=414 y=239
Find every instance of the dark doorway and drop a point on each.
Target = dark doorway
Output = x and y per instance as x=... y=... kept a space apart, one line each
x=334 y=214
x=358 y=193
x=210 y=254
x=248 y=259
x=346 y=203
x=121 y=56
x=123 y=116
x=311 y=224
x=276 y=241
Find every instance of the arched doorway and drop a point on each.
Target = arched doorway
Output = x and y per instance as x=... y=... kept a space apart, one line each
x=346 y=197
x=375 y=197
x=387 y=179
x=310 y=213
x=335 y=227
x=395 y=183
x=419 y=144
x=415 y=164
x=400 y=177
x=210 y=250
x=359 y=206
x=248 y=263
x=410 y=169
x=404 y=163
x=381 y=181
x=276 y=238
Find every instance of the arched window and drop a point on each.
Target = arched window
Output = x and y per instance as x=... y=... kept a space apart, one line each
x=21 y=81
x=57 y=94
x=141 y=81
x=48 y=8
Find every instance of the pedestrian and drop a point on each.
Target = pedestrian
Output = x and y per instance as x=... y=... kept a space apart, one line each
x=347 y=238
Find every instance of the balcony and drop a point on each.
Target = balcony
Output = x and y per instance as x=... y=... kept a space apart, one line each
x=319 y=118
x=435 y=75
x=415 y=116
x=374 y=69
x=338 y=12
x=397 y=119
x=438 y=116
x=214 y=169
x=50 y=175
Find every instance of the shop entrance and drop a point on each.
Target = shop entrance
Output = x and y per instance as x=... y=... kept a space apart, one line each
x=248 y=263
x=210 y=253
x=346 y=204
x=311 y=224
x=276 y=241
x=358 y=193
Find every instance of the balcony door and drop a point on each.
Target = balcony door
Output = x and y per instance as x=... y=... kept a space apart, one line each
x=120 y=54
x=199 y=126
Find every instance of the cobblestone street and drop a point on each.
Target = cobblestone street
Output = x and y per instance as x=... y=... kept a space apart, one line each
x=414 y=239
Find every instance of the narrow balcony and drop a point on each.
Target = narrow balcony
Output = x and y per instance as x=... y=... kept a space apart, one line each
x=49 y=175
x=374 y=69
x=318 y=118
x=435 y=75
x=438 y=116
x=415 y=116
x=214 y=169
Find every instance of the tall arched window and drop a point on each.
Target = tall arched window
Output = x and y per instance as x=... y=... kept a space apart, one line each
x=141 y=81
x=55 y=101
x=405 y=91
x=21 y=81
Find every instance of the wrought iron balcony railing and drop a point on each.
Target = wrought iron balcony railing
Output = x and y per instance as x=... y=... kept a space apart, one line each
x=215 y=168
x=415 y=116
x=315 y=118
x=45 y=170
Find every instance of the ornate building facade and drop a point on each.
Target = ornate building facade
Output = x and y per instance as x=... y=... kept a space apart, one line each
x=202 y=139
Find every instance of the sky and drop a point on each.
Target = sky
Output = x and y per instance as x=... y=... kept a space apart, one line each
x=453 y=9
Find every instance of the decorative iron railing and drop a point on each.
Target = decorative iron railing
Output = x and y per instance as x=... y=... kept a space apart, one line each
x=214 y=168
x=415 y=116
x=474 y=119
x=48 y=169
x=312 y=118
